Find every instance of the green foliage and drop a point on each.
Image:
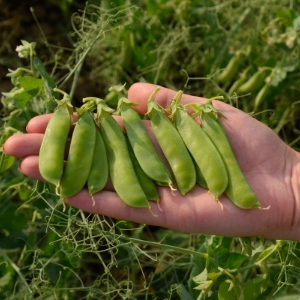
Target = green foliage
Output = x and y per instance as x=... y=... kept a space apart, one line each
x=48 y=251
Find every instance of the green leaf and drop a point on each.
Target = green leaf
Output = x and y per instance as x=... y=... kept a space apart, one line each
x=204 y=285
x=6 y=162
x=268 y=252
x=48 y=82
x=21 y=99
x=5 y=280
x=12 y=241
x=31 y=83
x=296 y=23
x=255 y=287
x=226 y=291
x=234 y=260
x=42 y=70
x=12 y=220
x=201 y=277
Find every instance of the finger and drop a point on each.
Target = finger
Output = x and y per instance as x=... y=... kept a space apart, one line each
x=39 y=123
x=29 y=167
x=140 y=92
x=196 y=212
x=22 y=145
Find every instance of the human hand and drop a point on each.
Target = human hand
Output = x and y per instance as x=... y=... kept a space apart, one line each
x=269 y=165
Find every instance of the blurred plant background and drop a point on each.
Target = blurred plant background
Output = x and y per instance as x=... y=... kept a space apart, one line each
x=245 y=51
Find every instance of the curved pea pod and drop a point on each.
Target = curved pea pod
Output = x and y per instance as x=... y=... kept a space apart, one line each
x=98 y=175
x=149 y=160
x=121 y=170
x=241 y=80
x=231 y=68
x=80 y=156
x=234 y=87
x=238 y=190
x=52 y=151
x=204 y=152
x=255 y=82
x=147 y=184
x=172 y=146
x=261 y=96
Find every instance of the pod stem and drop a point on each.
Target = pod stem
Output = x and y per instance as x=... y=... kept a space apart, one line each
x=97 y=103
x=152 y=105
x=207 y=107
x=66 y=100
x=176 y=103
x=124 y=101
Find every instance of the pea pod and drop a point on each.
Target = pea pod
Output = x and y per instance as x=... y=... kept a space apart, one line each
x=146 y=182
x=199 y=177
x=141 y=144
x=121 y=170
x=80 y=156
x=240 y=81
x=52 y=151
x=238 y=189
x=261 y=96
x=201 y=147
x=231 y=68
x=255 y=82
x=98 y=175
x=172 y=146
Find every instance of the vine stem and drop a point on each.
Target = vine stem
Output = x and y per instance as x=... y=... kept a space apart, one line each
x=16 y=268
x=164 y=246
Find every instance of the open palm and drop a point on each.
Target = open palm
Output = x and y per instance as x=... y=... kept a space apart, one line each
x=269 y=165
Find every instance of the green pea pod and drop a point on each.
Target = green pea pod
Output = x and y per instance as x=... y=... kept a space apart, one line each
x=172 y=146
x=146 y=182
x=141 y=144
x=121 y=170
x=261 y=96
x=241 y=80
x=231 y=68
x=51 y=154
x=255 y=82
x=98 y=175
x=238 y=189
x=80 y=156
x=203 y=150
x=199 y=177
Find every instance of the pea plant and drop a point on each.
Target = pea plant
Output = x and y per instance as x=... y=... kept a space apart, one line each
x=245 y=52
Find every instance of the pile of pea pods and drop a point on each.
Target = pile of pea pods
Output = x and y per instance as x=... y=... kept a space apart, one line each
x=100 y=150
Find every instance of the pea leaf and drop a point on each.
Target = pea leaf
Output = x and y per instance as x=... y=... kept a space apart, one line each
x=5 y=280
x=12 y=241
x=296 y=23
x=6 y=162
x=31 y=83
x=255 y=287
x=20 y=100
x=226 y=291
x=234 y=260
x=201 y=277
x=12 y=220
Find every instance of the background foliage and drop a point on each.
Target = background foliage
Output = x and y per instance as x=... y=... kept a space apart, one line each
x=48 y=252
